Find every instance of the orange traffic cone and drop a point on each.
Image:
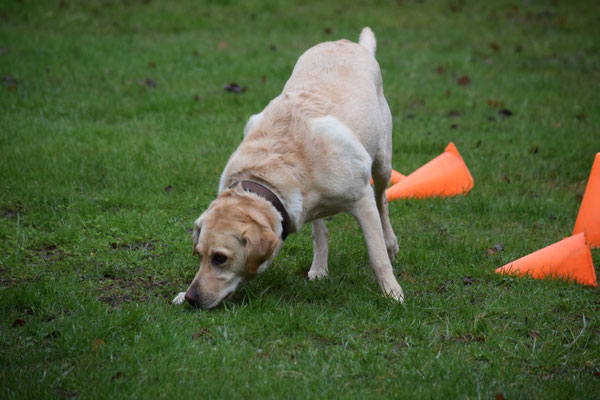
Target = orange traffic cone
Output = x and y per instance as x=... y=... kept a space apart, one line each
x=588 y=219
x=445 y=175
x=569 y=258
x=396 y=177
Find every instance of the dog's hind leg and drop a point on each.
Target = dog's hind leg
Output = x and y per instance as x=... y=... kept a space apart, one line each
x=382 y=171
x=365 y=211
x=318 y=269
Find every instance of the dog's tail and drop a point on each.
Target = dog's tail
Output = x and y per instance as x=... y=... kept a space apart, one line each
x=367 y=40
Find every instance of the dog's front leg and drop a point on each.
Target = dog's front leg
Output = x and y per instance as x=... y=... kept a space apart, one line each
x=318 y=269
x=365 y=211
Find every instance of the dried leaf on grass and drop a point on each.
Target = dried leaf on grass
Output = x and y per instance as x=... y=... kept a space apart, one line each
x=463 y=80
x=148 y=82
x=97 y=344
x=234 y=88
x=495 y=103
x=18 y=322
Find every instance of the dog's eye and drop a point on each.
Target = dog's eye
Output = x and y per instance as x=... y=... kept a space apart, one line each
x=218 y=258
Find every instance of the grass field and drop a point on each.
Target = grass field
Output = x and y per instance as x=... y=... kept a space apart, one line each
x=115 y=128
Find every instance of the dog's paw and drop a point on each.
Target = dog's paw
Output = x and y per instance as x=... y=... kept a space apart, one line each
x=317 y=273
x=392 y=249
x=397 y=295
x=394 y=292
x=180 y=298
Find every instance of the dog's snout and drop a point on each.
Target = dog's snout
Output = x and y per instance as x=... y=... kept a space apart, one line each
x=191 y=295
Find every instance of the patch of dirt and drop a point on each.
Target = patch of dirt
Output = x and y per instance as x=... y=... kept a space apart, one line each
x=46 y=255
x=11 y=212
x=325 y=341
x=117 y=290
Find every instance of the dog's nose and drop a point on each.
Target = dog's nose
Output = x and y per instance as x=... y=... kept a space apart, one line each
x=191 y=295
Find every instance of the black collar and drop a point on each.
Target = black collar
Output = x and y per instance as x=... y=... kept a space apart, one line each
x=272 y=198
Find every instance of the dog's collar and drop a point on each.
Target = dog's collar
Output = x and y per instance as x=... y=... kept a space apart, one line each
x=272 y=198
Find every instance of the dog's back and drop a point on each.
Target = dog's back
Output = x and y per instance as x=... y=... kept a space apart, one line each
x=347 y=79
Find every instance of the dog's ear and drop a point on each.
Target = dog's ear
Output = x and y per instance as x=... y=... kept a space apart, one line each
x=196 y=233
x=260 y=244
x=251 y=123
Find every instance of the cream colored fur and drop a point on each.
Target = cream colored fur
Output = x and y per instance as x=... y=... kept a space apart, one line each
x=316 y=146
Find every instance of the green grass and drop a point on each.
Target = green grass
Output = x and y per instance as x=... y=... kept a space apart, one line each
x=102 y=174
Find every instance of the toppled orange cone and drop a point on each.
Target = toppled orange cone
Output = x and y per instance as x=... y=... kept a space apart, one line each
x=588 y=219
x=396 y=177
x=569 y=258
x=445 y=175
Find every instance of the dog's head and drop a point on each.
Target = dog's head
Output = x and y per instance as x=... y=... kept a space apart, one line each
x=235 y=239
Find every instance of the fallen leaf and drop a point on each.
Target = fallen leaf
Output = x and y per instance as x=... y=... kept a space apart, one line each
x=9 y=80
x=117 y=375
x=148 y=82
x=490 y=251
x=495 y=46
x=505 y=112
x=263 y=78
x=234 y=88
x=196 y=98
x=327 y=30
x=556 y=124
x=500 y=396
x=97 y=343
x=534 y=150
x=463 y=80
x=18 y=322
x=48 y=317
x=467 y=280
x=222 y=45
x=512 y=12
x=494 y=103
x=196 y=52
x=200 y=333
x=440 y=69
x=152 y=65
x=52 y=335
x=448 y=93
x=456 y=7
x=61 y=392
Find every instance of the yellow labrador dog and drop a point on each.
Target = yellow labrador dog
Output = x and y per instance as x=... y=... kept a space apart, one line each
x=309 y=154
